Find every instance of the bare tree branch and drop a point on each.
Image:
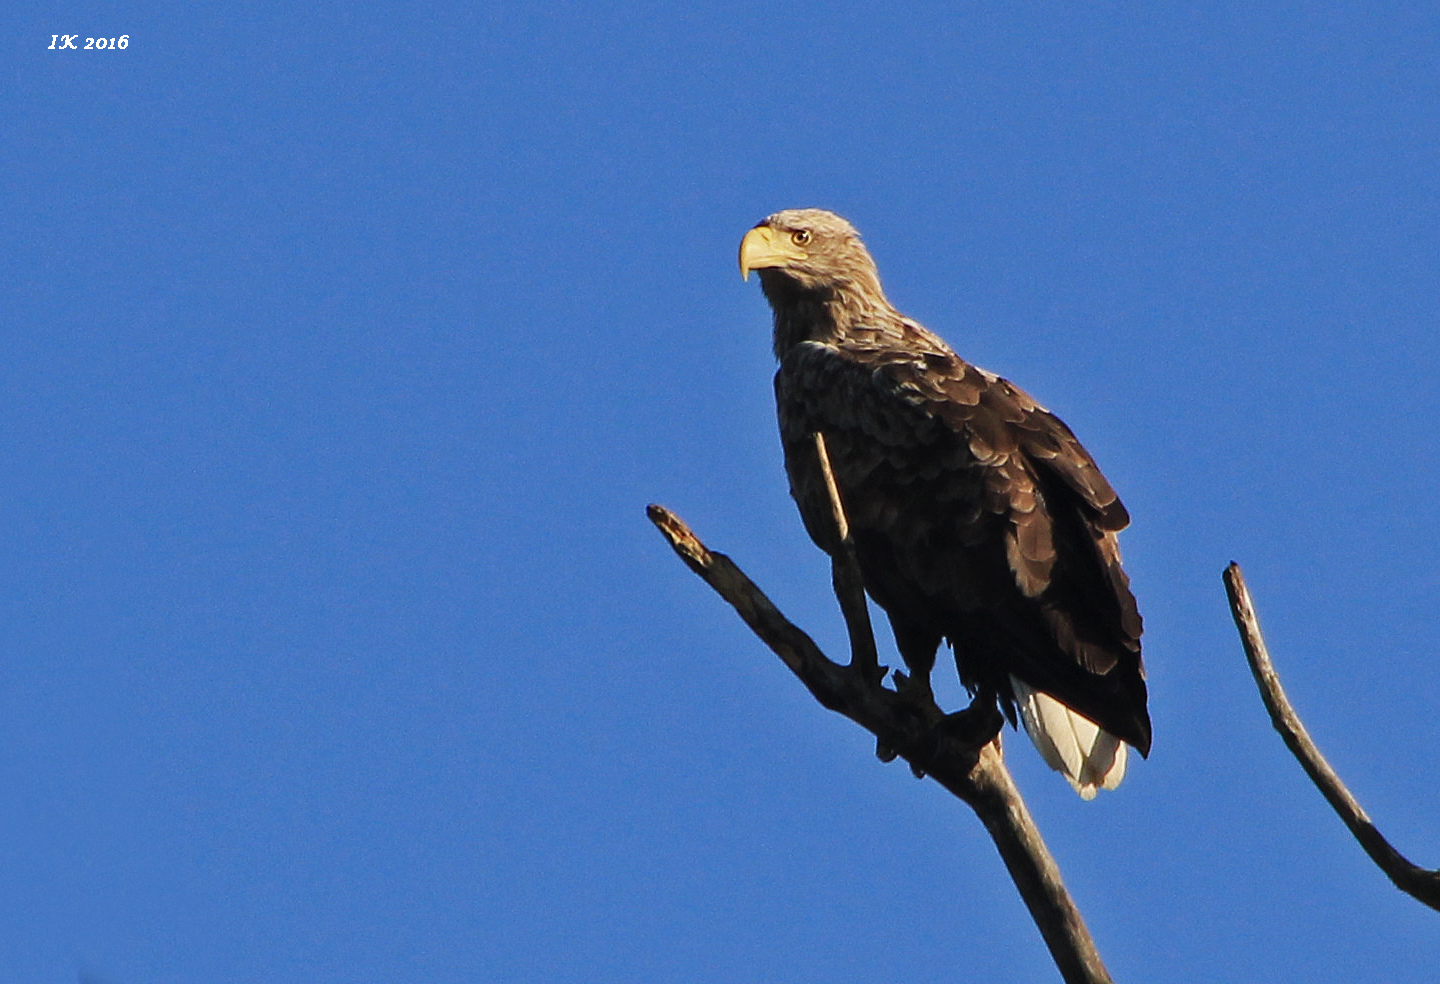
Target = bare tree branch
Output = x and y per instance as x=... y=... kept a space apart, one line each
x=845 y=575
x=1418 y=882
x=974 y=773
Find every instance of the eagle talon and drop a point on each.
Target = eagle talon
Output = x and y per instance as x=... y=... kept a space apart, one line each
x=915 y=689
x=871 y=676
x=974 y=727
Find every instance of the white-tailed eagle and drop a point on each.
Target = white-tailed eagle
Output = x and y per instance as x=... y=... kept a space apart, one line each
x=977 y=516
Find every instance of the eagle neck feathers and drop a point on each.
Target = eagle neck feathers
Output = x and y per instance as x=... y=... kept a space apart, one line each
x=836 y=313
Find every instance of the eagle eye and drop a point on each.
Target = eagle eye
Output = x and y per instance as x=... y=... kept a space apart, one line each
x=800 y=237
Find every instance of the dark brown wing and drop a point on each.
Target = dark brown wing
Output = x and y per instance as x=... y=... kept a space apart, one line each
x=977 y=515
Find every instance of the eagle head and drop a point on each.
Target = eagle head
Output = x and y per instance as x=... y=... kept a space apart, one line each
x=808 y=249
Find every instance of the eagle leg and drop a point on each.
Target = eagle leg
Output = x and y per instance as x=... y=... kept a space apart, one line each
x=917 y=647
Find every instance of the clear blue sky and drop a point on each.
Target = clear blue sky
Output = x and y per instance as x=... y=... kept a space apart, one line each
x=345 y=344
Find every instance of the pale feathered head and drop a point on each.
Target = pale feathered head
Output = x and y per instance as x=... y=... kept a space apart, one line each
x=809 y=250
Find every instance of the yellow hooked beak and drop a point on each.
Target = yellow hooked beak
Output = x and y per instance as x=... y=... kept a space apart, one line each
x=763 y=247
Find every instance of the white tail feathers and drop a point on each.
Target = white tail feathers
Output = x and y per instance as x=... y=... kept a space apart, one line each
x=1071 y=743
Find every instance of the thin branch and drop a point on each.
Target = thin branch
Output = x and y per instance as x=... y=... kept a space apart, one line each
x=845 y=576
x=1421 y=883
x=976 y=775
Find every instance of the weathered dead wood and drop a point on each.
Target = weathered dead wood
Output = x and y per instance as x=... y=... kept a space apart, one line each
x=1421 y=883
x=976 y=775
x=845 y=576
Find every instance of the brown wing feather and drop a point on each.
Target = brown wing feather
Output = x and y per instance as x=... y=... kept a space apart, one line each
x=977 y=515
